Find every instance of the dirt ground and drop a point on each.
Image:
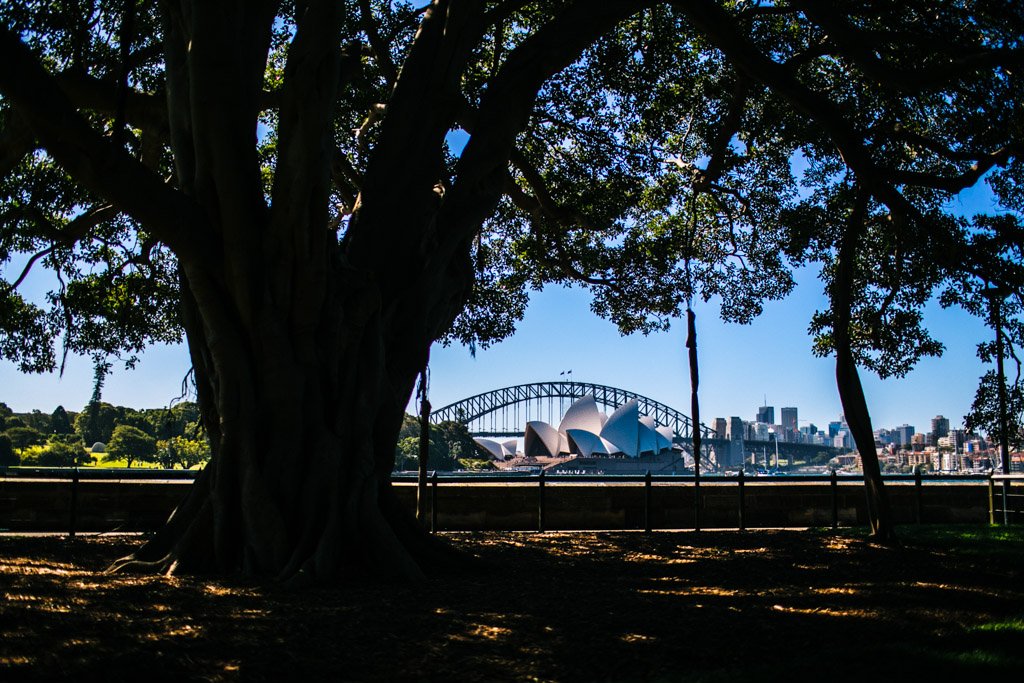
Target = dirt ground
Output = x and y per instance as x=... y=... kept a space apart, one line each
x=713 y=606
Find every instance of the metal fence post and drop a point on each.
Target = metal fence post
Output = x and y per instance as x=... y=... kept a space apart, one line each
x=74 y=505
x=742 y=502
x=647 y=502
x=991 y=499
x=696 y=500
x=917 y=495
x=834 y=485
x=540 y=502
x=433 y=502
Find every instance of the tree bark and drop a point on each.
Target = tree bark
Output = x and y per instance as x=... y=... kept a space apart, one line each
x=851 y=392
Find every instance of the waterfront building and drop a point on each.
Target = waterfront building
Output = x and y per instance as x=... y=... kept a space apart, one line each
x=586 y=431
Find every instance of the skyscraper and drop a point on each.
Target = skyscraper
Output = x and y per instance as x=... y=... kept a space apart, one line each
x=940 y=428
x=789 y=420
x=903 y=434
x=766 y=414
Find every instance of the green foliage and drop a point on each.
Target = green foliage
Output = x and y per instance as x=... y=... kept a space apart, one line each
x=23 y=437
x=984 y=416
x=178 y=451
x=476 y=464
x=60 y=423
x=449 y=442
x=59 y=451
x=97 y=421
x=8 y=457
x=132 y=444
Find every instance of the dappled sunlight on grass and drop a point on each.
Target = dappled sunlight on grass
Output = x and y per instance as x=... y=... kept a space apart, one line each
x=1008 y=626
x=553 y=606
x=830 y=612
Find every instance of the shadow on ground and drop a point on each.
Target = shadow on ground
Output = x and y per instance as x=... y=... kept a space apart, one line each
x=766 y=605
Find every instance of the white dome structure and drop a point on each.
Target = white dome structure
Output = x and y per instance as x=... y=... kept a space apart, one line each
x=623 y=429
x=587 y=444
x=542 y=439
x=583 y=414
x=588 y=432
x=496 y=450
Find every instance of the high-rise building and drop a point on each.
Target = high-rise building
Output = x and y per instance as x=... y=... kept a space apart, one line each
x=766 y=414
x=736 y=429
x=940 y=428
x=789 y=421
x=903 y=434
x=834 y=428
x=720 y=428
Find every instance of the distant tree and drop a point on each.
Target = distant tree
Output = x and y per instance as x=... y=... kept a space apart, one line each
x=5 y=414
x=59 y=421
x=984 y=417
x=407 y=454
x=62 y=450
x=96 y=422
x=181 y=419
x=457 y=441
x=8 y=458
x=131 y=444
x=181 y=452
x=994 y=398
x=14 y=421
x=449 y=441
x=140 y=419
x=37 y=420
x=23 y=437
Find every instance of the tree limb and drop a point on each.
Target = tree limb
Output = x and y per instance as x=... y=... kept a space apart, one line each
x=102 y=167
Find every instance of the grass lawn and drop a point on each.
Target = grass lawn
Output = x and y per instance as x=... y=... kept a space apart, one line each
x=679 y=606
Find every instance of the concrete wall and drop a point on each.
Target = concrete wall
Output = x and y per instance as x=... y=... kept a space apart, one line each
x=621 y=506
x=134 y=505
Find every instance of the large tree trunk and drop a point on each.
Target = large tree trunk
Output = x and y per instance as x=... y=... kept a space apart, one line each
x=305 y=349
x=303 y=425
x=851 y=392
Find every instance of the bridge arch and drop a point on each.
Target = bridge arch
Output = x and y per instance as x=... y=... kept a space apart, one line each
x=474 y=411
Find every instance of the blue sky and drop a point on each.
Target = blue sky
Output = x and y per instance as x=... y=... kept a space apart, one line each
x=739 y=365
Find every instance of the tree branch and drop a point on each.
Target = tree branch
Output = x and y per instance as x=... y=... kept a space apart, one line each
x=146 y=112
x=16 y=141
x=381 y=49
x=72 y=233
x=100 y=166
x=862 y=48
x=507 y=105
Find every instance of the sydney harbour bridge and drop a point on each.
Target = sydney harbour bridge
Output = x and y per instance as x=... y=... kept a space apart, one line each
x=504 y=413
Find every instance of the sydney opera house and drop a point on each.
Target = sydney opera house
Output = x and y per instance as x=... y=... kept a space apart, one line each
x=587 y=432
